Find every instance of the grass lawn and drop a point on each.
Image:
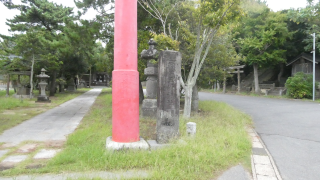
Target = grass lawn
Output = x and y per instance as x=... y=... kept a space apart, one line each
x=221 y=142
x=14 y=111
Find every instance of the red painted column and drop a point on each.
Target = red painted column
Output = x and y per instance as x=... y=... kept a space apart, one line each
x=125 y=77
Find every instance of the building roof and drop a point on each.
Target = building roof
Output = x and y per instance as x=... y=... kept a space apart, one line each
x=305 y=56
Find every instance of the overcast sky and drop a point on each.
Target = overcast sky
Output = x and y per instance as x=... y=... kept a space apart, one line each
x=275 y=5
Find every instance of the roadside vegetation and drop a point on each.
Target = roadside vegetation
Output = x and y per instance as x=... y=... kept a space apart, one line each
x=14 y=111
x=221 y=142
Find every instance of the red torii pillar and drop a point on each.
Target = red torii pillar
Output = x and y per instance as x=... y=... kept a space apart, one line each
x=125 y=77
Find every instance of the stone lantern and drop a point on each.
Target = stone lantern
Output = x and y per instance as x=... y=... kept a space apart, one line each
x=42 y=78
x=149 y=105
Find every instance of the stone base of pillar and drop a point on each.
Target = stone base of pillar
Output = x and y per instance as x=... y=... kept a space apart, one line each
x=139 y=145
x=42 y=99
x=71 y=88
x=21 y=96
x=149 y=108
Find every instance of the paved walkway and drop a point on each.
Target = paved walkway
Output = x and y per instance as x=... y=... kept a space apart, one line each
x=54 y=124
x=290 y=129
x=84 y=175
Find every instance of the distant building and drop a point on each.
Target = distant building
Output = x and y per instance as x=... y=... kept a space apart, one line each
x=304 y=63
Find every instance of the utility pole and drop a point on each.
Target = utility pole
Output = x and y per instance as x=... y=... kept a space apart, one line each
x=314 y=65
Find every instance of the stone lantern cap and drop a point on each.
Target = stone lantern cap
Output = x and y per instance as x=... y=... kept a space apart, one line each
x=43 y=74
x=152 y=42
x=150 y=53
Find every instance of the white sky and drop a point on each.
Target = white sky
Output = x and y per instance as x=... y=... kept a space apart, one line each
x=278 y=5
x=275 y=5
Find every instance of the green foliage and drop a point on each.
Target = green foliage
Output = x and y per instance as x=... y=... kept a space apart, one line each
x=222 y=55
x=300 y=85
x=104 y=16
x=51 y=34
x=165 y=42
x=143 y=39
x=309 y=17
x=260 y=36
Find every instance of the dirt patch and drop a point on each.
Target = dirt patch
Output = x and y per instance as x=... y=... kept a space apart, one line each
x=27 y=148
x=9 y=112
x=6 y=165
x=54 y=144
x=38 y=109
x=148 y=129
x=7 y=145
x=34 y=166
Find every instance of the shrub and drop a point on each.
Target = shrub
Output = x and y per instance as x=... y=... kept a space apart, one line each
x=300 y=86
x=165 y=42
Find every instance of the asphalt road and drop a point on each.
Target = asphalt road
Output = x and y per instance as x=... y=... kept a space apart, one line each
x=289 y=128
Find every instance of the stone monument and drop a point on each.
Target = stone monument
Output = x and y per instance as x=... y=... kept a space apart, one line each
x=168 y=96
x=149 y=104
x=71 y=85
x=42 y=78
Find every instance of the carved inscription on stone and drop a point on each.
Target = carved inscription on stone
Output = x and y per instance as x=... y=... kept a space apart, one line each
x=168 y=96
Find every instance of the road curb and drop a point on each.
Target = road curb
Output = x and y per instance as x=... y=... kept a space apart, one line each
x=262 y=163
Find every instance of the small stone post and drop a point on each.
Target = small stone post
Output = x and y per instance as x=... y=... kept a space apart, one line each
x=168 y=96
x=191 y=128
x=149 y=105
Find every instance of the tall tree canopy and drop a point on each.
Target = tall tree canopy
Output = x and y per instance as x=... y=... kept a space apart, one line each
x=260 y=36
x=58 y=36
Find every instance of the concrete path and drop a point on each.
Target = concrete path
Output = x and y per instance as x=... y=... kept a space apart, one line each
x=290 y=129
x=84 y=175
x=235 y=173
x=54 y=124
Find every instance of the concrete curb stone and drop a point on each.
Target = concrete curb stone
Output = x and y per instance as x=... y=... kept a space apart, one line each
x=263 y=166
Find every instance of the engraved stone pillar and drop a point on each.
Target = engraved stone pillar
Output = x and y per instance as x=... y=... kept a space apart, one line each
x=168 y=96
x=149 y=105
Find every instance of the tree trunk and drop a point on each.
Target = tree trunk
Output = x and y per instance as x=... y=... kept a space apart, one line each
x=218 y=85
x=141 y=95
x=239 y=83
x=224 y=84
x=8 y=84
x=195 y=99
x=19 y=79
x=90 y=79
x=60 y=88
x=187 y=101
x=281 y=72
x=31 y=77
x=256 y=78
x=53 y=84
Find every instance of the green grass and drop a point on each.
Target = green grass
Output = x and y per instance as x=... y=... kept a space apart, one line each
x=221 y=142
x=10 y=102
x=14 y=111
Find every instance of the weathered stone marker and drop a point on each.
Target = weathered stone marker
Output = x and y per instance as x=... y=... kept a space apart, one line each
x=191 y=128
x=168 y=96
x=149 y=105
